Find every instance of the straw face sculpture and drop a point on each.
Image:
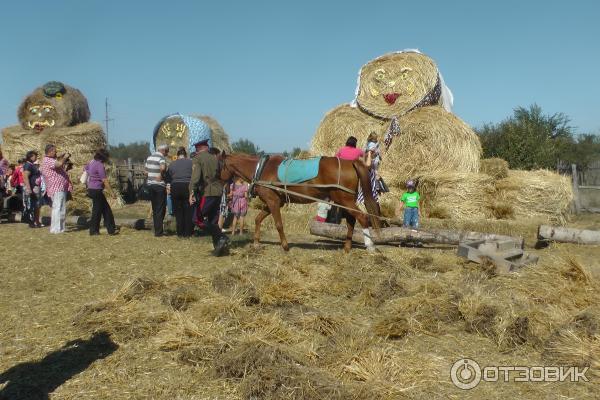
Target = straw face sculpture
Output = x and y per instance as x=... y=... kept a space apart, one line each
x=57 y=114
x=178 y=130
x=53 y=105
x=393 y=84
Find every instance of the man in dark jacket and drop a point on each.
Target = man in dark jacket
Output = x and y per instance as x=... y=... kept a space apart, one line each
x=205 y=181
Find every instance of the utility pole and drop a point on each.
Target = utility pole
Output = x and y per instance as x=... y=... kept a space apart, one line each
x=106 y=119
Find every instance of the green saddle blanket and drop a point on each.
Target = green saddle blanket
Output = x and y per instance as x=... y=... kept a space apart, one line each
x=296 y=171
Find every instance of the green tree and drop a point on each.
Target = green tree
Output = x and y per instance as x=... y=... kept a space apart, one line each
x=584 y=150
x=528 y=139
x=245 y=146
x=137 y=151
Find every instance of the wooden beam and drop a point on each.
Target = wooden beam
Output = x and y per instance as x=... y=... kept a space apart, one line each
x=399 y=234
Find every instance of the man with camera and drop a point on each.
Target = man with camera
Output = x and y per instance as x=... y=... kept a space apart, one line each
x=58 y=185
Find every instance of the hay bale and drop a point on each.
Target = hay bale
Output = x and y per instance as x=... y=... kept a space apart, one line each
x=536 y=194
x=219 y=137
x=53 y=105
x=406 y=76
x=452 y=195
x=494 y=167
x=174 y=130
x=431 y=141
x=81 y=141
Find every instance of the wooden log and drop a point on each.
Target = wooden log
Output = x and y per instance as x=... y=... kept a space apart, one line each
x=399 y=234
x=568 y=235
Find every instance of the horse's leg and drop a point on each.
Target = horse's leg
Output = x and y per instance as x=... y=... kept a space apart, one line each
x=363 y=220
x=276 y=212
x=259 y=219
x=350 y=221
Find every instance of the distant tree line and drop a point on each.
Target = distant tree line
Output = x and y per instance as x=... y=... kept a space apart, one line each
x=137 y=151
x=530 y=139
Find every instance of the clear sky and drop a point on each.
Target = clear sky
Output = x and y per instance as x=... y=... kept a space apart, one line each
x=270 y=70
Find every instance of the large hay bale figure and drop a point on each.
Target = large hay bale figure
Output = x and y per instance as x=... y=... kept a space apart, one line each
x=59 y=114
x=54 y=113
x=179 y=130
x=402 y=97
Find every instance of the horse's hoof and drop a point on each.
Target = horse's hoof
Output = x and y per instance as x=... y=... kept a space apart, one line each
x=286 y=248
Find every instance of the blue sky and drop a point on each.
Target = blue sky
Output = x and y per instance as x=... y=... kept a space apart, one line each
x=270 y=70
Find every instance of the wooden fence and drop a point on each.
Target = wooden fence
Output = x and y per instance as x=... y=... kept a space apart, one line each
x=586 y=185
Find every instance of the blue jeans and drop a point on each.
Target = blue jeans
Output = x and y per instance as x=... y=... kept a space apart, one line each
x=411 y=217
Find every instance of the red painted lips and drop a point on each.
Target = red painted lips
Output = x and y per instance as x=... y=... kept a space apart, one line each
x=390 y=98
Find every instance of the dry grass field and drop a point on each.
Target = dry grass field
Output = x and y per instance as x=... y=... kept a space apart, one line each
x=138 y=317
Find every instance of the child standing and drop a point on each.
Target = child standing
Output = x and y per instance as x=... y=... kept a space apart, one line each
x=239 y=203
x=410 y=201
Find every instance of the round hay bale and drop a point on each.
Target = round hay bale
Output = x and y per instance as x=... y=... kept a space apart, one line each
x=497 y=168
x=393 y=84
x=53 y=105
x=453 y=195
x=538 y=193
x=220 y=138
x=432 y=141
x=178 y=130
x=80 y=140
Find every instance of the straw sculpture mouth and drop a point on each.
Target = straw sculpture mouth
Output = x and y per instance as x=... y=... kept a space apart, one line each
x=391 y=98
x=40 y=125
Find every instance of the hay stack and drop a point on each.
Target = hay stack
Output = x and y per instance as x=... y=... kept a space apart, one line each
x=53 y=105
x=432 y=141
x=219 y=137
x=536 y=194
x=453 y=195
x=497 y=168
x=173 y=131
x=410 y=76
x=80 y=140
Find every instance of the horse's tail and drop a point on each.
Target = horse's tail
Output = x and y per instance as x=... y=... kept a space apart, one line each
x=365 y=182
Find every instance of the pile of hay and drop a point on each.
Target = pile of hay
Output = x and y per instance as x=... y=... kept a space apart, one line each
x=539 y=193
x=452 y=195
x=80 y=140
x=219 y=137
x=409 y=75
x=431 y=141
x=497 y=168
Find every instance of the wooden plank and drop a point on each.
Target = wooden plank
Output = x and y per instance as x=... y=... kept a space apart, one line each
x=576 y=198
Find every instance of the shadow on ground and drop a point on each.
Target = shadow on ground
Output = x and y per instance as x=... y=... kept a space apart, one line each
x=36 y=380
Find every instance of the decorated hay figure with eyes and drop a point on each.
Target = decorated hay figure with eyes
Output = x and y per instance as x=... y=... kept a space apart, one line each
x=179 y=130
x=59 y=114
x=54 y=113
x=403 y=99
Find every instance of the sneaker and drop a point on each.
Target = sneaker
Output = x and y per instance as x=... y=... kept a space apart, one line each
x=222 y=247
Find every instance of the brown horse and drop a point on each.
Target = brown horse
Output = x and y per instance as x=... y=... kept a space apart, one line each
x=331 y=172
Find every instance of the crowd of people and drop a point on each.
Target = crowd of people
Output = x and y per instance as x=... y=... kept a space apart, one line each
x=197 y=195
x=189 y=187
